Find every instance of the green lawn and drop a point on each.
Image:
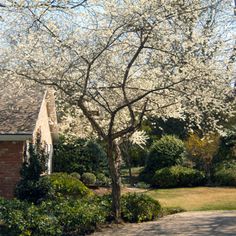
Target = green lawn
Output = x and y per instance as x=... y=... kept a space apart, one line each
x=197 y=199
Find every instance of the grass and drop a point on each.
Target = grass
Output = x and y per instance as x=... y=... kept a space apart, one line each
x=196 y=199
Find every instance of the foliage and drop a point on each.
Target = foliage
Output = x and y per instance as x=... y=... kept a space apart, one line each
x=78 y=155
x=27 y=220
x=34 y=162
x=225 y=175
x=227 y=149
x=72 y=216
x=88 y=178
x=102 y=180
x=76 y=175
x=177 y=176
x=77 y=216
x=126 y=66
x=31 y=187
x=166 y=152
x=156 y=127
x=139 y=207
x=202 y=151
x=64 y=184
x=133 y=154
x=52 y=218
x=34 y=191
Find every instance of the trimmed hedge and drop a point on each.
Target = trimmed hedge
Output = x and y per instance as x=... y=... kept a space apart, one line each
x=177 y=176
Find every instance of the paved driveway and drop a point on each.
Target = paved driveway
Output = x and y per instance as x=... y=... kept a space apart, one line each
x=188 y=223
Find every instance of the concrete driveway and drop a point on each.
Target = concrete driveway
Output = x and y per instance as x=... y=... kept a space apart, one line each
x=188 y=223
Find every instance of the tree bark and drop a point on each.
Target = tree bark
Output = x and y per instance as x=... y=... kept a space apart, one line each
x=114 y=161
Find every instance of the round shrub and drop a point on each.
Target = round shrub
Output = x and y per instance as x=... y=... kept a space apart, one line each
x=76 y=175
x=225 y=176
x=139 y=207
x=166 y=152
x=177 y=176
x=65 y=184
x=88 y=178
x=102 y=180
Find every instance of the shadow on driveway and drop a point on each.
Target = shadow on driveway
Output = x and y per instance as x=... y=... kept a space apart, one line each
x=208 y=223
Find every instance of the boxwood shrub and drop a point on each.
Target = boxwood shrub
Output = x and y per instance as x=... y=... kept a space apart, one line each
x=88 y=178
x=177 y=176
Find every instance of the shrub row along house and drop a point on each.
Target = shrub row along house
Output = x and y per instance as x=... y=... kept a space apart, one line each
x=24 y=113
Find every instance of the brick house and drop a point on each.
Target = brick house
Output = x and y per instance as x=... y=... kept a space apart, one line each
x=22 y=115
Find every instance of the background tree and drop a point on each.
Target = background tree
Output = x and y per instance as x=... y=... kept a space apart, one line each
x=202 y=151
x=113 y=62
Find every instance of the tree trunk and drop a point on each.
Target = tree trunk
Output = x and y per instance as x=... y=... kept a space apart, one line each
x=114 y=160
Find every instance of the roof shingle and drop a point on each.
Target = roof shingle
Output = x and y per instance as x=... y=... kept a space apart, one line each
x=19 y=107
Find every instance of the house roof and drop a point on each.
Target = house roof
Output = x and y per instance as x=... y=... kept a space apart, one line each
x=19 y=107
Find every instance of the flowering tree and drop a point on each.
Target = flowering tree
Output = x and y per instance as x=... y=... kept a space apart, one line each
x=113 y=62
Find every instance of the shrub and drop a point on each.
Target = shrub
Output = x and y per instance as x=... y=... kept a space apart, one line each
x=79 y=155
x=139 y=207
x=177 y=176
x=32 y=187
x=102 y=180
x=201 y=151
x=21 y=218
x=76 y=175
x=166 y=152
x=34 y=191
x=51 y=218
x=88 y=178
x=80 y=216
x=225 y=176
x=65 y=184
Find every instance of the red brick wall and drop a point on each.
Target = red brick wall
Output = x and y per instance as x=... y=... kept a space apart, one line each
x=10 y=164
